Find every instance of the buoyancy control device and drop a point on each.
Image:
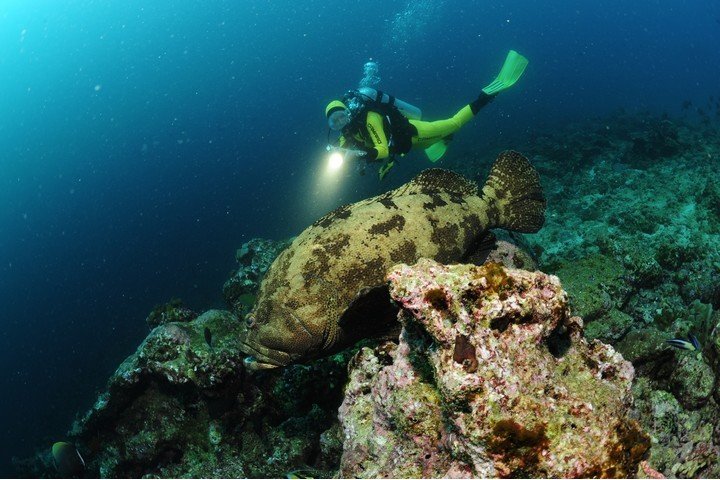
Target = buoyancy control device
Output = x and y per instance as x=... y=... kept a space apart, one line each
x=396 y=114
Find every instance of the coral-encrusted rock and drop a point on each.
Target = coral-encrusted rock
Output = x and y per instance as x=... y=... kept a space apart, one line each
x=491 y=378
x=511 y=255
x=157 y=399
x=692 y=381
x=179 y=353
x=173 y=311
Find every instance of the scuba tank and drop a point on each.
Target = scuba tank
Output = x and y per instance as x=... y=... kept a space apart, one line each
x=409 y=111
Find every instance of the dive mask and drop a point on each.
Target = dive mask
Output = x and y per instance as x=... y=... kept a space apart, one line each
x=338 y=119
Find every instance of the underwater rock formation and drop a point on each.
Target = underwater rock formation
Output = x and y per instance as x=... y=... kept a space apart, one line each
x=632 y=235
x=683 y=444
x=173 y=311
x=148 y=398
x=183 y=353
x=182 y=406
x=491 y=377
x=507 y=253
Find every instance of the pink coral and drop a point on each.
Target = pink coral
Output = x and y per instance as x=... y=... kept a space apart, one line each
x=492 y=376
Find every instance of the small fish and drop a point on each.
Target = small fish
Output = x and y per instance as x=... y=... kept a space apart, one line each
x=690 y=344
x=208 y=337
x=68 y=461
x=686 y=104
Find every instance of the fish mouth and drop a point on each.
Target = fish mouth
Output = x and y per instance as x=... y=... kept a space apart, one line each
x=253 y=365
x=263 y=358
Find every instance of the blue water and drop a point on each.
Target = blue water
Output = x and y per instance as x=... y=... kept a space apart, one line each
x=141 y=142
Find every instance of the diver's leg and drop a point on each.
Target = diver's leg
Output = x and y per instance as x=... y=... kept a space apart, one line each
x=431 y=132
x=482 y=100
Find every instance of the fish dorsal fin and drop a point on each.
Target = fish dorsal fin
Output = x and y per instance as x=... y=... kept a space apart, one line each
x=437 y=180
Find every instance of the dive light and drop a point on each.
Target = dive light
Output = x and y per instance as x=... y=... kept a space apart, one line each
x=339 y=155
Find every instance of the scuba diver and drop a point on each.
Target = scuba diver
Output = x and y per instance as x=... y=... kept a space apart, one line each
x=376 y=127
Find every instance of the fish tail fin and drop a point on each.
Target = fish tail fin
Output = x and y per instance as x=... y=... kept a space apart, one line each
x=513 y=189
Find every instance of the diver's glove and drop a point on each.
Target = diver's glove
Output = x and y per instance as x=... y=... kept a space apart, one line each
x=349 y=154
x=371 y=154
x=355 y=154
x=482 y=100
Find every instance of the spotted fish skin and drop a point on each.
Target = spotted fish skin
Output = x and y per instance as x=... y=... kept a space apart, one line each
x=327 y=290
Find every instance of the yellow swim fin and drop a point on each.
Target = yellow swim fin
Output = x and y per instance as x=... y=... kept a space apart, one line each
x=435 y=151
x=510 y=72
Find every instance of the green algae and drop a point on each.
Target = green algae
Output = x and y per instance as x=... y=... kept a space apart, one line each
x=692 y=381
x=609 y=328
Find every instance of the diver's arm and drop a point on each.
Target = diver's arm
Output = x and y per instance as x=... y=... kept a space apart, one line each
x=380 y=149
x=349 y=148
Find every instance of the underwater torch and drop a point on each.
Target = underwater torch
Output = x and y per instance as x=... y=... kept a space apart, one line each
x=339 y=155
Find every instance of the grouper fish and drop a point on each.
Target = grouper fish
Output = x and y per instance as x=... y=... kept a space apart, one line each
x=327 y=289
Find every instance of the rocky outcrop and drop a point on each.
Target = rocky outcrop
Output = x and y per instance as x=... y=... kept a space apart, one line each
x=183 y=406
x=159 y=398
x=172 y=312
x=491 y=377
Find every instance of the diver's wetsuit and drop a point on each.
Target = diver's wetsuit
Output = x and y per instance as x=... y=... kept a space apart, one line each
x=373 y=138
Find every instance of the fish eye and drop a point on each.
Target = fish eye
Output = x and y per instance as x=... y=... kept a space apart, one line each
x=250 y=321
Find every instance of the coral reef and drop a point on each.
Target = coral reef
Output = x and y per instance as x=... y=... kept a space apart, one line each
x=492 y=377
x=683 y=444
x=182 y=405
x=159 y=398
x=599 y=285
x=633 y=234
